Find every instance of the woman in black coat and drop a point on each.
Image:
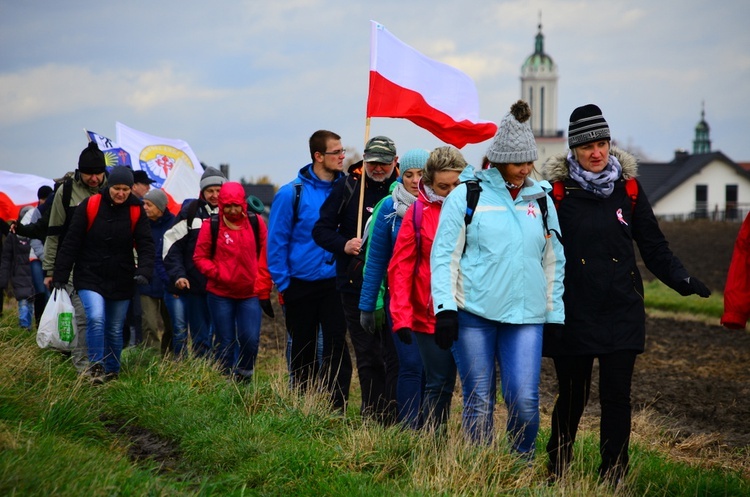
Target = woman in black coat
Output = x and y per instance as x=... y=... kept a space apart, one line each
x=98 y=247
x=601 y=213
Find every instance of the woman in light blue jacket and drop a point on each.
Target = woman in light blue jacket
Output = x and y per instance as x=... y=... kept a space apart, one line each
x=497 y=277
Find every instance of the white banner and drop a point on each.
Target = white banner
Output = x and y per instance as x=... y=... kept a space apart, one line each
x=170 y=162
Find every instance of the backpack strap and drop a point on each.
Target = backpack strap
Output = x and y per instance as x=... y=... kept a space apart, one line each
x=92 y=208
x=631 y=188
x=214 y=219
x=135 y=215
x=67 y=191
x=542 y=201
x=417 y=219
x=295 y=205
x=473 y=189
x=351 y=187
x=191 y=212
x=558 y=192
x=253 y=218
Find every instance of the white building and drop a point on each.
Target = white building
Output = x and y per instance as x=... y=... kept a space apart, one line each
x=703 y=184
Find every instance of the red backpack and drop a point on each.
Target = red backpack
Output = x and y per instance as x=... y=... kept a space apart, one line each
x=92 y=208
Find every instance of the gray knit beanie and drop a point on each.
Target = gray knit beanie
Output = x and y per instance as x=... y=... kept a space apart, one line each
x=212 y=177
x=157 y=197
x=514 y=141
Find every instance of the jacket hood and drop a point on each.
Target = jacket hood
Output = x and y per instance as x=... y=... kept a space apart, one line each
x=307 y=175
x=232 y=193
x=556 y=167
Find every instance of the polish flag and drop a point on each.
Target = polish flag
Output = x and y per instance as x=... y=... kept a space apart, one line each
x=18 y=190
x=434 y=96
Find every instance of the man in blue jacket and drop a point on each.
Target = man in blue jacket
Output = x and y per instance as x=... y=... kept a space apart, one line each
x=305 y=274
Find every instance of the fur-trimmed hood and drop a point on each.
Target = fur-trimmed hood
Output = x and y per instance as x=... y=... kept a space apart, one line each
x=556 y=167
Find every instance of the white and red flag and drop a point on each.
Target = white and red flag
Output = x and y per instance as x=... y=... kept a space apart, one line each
x=434 y=96
x=170 y=162
x=18 y=190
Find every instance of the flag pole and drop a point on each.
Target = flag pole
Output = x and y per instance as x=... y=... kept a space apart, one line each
x=88 y=136
x=362 y=179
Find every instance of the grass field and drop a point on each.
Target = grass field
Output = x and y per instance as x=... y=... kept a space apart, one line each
x=180 y=428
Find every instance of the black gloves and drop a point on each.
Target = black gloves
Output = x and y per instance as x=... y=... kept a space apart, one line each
x=404 y=334
x=693 y=285
x=372 y=322
x=265 y=305
x=58 y=285
x=446 y=329
x=140 y=279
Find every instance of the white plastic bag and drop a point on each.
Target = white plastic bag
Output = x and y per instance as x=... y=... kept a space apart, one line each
x=57 y=328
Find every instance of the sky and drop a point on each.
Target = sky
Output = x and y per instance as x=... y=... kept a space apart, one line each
x=246 y=83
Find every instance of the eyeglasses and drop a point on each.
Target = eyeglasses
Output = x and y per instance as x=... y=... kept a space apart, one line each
x=336 y=152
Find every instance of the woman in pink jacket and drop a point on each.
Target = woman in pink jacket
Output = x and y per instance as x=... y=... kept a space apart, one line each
x=235 y=266
x=409 y=281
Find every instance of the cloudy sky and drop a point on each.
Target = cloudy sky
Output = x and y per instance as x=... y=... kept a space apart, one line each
x=247 y=82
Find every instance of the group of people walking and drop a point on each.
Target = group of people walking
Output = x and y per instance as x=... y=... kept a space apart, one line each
x=472 y=274
x=436 y=270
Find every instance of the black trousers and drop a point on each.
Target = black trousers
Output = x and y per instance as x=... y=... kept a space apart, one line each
x=310 y=306
x=574 y=383
x=377 y=365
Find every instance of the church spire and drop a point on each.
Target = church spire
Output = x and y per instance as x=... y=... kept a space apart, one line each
x=702 y=142
x=539 y=45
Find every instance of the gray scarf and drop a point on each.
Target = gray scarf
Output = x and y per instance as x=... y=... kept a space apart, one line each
x=402 y=199
x=600 y=184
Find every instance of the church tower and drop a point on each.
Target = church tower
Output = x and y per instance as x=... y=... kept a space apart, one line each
x=702 y=142
x=539 y=89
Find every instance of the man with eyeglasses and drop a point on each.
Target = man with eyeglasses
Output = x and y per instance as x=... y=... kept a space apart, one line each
x=305 y=275
x=338 y=230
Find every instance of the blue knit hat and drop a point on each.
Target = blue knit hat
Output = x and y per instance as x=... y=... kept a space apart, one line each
x=415 y=158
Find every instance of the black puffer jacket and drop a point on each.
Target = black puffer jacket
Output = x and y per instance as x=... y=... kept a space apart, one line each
x=604 y=307
x=15 y=267
x=103 y=255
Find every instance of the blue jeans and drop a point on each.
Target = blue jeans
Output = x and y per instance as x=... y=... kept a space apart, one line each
x=177 y=315
x=517 y=348
x=199 y=320
x=104 y=321
x=411 y=378
x=237 y=326
x=440 y=380
x=25 y=313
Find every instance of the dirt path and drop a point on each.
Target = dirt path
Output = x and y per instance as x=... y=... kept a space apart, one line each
x=696 y=375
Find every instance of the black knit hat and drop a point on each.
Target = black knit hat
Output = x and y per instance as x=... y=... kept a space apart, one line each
x=120 y=175
x=587 y=125
x=91 y=160
x=43 y=192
